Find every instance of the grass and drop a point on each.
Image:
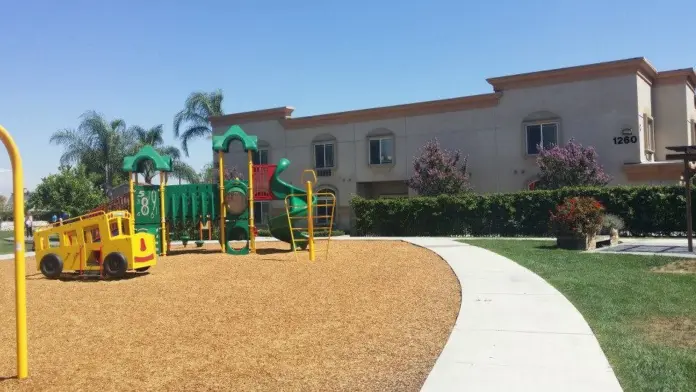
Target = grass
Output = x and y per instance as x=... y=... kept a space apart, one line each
x=5 y=246
x=644 y=319
x=373 y=317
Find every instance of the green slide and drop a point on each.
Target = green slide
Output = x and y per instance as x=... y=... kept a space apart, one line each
x=278 y=225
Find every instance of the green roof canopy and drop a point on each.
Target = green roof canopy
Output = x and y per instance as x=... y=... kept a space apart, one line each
x=161 y=163
x=235 y=132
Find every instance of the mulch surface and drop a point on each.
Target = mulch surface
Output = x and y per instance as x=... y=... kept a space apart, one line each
x=686 y=266
x=373 y=317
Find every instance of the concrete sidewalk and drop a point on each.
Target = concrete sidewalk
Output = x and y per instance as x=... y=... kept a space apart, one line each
x=514 y=332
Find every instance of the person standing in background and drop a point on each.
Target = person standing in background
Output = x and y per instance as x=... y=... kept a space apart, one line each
x=29 y=225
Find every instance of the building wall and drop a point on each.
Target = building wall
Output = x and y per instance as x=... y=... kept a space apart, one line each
x=670 y=117
x=595 y=111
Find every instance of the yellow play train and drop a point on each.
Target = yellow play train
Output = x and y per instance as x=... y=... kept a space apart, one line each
x=97 y=241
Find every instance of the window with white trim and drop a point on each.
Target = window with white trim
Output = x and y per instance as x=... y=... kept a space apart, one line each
x=260 y=157
x=543 y=134
x=649 y=137
x=381 y=150
x=324 y=155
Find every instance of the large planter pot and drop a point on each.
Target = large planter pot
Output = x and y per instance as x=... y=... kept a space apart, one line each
x=613 y=236
x=576 y=242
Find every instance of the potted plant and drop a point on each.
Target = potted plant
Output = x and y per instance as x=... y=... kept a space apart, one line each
x=611 y=226
x=576 y=223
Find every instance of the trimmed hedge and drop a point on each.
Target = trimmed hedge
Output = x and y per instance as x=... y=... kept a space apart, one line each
x=646 y=211
x=317 y=233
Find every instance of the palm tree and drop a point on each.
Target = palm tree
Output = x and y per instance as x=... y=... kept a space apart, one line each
x=99 y=145
x=154 y=137
x=199 y=107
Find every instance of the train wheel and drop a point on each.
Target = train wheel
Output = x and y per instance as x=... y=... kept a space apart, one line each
x=115 y=265
x=51 y=266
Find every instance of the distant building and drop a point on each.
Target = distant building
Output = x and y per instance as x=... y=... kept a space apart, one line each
x=629 y=111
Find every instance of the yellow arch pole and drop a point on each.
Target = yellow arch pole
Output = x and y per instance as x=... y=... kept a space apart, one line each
x=310 y=220
x=20 y=273
x=221 y=165
x=163 y=223
x=131 y=191
x=252 y=239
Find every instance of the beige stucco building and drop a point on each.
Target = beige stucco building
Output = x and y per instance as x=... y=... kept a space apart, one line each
x=626 y=109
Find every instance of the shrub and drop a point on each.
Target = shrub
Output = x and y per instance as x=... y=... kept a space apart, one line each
x=438 y=171
x=318 y=233
x=577 y=216
x=612 y=221
x=645 y=210
x=570 y=165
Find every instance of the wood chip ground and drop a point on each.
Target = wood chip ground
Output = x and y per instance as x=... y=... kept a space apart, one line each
x=374 y=317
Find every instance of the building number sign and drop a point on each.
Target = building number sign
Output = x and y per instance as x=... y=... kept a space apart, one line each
x=147 y=203
x=626 y=139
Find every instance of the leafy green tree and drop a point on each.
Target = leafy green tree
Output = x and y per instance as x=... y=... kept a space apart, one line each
x=193 y=122
x=98 y=144
x=71 y=190
x=209 y=173
x=154 y=137
x=4 y=208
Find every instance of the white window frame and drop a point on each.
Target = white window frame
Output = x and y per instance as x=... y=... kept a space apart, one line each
x=541 y=130
x=324 y=144
x=369 y=150
x=260 y=153
x=649 y=137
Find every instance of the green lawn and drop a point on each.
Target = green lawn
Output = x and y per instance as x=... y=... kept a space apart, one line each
x=645 y=321
x=6 y=247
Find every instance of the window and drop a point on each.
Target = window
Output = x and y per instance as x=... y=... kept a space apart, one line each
x=693 y=132
x=261 y=211
x=323 y=155
x=541 y=134
x=325 y=206
x=260 y=157
x=381 y=150
x=649 y=137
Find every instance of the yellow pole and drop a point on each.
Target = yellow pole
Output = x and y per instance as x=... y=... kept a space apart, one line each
x=20 y=273
x=163 y=228
x=310 y=220
x=131 y=191
x=252 y=239
x=222 y=200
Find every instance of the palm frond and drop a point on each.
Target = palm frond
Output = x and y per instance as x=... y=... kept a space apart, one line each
x=191 y=134
x=185 y=172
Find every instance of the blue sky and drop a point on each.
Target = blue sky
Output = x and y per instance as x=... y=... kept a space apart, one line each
x=139 y=60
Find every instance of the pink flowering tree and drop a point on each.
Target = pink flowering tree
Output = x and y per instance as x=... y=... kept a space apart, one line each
x=438 y=171
x=570 y=165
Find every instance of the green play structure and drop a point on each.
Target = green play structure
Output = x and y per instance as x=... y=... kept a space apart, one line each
x=178 y=210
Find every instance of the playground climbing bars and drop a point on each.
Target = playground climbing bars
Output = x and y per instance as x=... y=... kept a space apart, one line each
x=20 y=263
